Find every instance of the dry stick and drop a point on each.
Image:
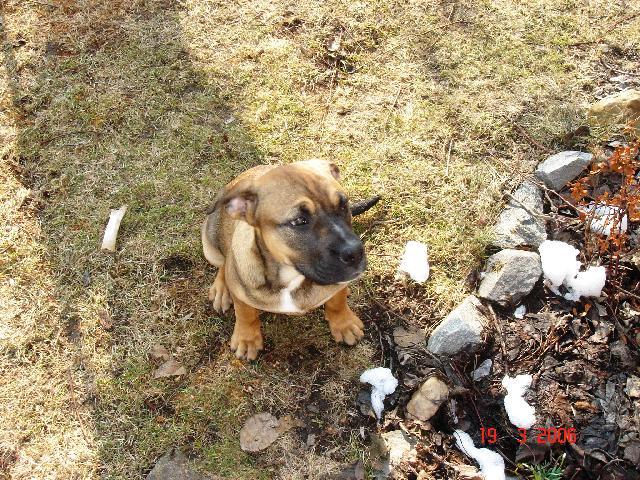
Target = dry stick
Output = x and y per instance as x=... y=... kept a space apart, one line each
x=446 y=172
x=622 y=72
x=393 y=107
x=527 y=136
x=526 y=209
x=499 y=328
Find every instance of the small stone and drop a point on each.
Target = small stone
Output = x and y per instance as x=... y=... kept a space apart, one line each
x=633 y=387
x=632 y=453
x=483 y=370
x=616 y=109
x=426 y=401
x=311 y=440
x=561 y=168
x=461 y=330
x=173 y=466
x=517 y=226
x=510 y=275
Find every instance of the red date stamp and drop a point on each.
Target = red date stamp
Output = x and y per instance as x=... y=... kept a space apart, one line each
x=542 y=435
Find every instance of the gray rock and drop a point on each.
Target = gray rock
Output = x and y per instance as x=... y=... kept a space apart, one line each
x=529 y=195
x=461 y=330
x=483 y=370
x=561 y=168
x=173 y=466
x=426 y=401
x=516 y=226
x=510 y=275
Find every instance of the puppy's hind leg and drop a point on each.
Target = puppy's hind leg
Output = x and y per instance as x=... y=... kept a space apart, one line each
x=219 y=293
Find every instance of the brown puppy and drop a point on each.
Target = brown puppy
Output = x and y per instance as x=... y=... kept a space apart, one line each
x=281 y=238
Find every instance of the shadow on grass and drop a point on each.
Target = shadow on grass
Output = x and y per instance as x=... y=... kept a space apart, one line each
x=110 y=109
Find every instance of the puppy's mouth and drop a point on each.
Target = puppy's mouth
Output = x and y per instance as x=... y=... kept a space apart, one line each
x=331 y=274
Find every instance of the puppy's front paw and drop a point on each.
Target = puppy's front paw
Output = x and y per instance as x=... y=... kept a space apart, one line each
x=246 y=344
x=346 y=327
x=219 y=295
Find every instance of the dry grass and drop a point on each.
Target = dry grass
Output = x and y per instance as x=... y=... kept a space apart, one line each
x=156 y=104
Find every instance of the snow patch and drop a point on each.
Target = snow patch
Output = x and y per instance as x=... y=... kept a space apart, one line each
x=586 y=284
x=415 y=261
x=560 y=267
x=383 y=383
x=491 y=463
x=605 y=218
x=520 y=311
x=520 y=413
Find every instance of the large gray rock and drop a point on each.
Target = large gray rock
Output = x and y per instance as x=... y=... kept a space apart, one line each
x=509 y=276
x=426 y=401
x=529 y=195
x=516 y=225
x=561 y=168
x=173 y=466
x=461 y=330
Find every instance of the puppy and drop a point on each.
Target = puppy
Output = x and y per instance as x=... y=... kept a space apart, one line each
x=282 y=240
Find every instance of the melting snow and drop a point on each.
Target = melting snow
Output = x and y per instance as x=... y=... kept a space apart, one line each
x=604 y=218
x=491 y=463
x=415 y=261
x=520 y=413
x=383 y=383
x=560 y=267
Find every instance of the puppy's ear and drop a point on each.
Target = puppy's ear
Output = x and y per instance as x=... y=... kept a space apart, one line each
x=239 y=201
x=323 y=167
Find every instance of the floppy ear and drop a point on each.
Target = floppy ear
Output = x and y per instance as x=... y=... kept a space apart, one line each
x=323 y=167
x=239 y=201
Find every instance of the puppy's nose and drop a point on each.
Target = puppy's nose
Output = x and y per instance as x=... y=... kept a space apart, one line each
x=351 y=253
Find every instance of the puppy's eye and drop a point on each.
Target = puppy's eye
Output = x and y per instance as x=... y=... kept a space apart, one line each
x=299 y=221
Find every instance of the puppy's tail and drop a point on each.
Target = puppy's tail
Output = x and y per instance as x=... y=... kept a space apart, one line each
x=364 y=205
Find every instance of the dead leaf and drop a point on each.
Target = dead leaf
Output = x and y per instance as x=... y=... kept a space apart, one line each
x=158 y=352
x=259 y=432
x=105 y=319
x=532 y=452
x=170 y=368
x=467 y=472
x=584 y=405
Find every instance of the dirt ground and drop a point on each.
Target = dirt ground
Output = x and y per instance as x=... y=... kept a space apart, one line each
x=438 y=106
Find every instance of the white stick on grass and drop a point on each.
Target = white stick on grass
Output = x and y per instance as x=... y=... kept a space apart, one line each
x=111 y=232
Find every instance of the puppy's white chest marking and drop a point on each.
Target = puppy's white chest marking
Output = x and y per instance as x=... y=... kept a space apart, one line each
x=292 y=279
